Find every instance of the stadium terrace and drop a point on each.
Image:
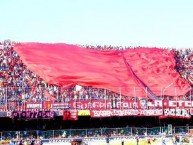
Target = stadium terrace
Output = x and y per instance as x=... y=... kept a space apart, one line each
x=46 y=88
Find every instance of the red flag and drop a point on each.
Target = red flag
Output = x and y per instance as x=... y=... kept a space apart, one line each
x=66 y=115
x=47 y=105
x=132 y=70
x=50 y=98
x=70 y=115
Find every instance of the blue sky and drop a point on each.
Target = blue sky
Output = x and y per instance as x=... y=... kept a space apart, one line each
x=161 y=23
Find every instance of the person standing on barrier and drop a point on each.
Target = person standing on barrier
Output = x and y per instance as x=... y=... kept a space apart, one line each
x=181 y=139
x=122 y=142
x=175 y=140
x=21 y=142
x=11 y=143
x=148 y=141
x=25 y=142
x=137 y=141
x=163 y=140
x=107 y=139
x=33 y=142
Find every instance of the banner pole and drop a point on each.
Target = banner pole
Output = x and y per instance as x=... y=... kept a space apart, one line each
x=106 y=99
x=146 y=92
x=120 y=98
x=6 y=98
x=135 y=98
x=191 y=96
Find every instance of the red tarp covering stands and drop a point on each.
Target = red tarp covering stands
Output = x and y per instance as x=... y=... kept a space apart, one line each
x=119 y=71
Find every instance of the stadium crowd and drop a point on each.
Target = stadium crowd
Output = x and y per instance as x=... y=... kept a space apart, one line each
x=19 y=84
x=184 y=64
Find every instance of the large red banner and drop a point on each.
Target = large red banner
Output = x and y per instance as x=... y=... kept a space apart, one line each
x=136 y=72
x=162 y=113
x=176 y=113
x=104 y=104
x=128 y=104
x=126 y=112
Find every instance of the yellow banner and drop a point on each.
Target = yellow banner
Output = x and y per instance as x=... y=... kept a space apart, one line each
x=83 y=112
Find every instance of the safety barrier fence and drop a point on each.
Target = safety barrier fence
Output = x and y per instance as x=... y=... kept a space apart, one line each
x=96 y=132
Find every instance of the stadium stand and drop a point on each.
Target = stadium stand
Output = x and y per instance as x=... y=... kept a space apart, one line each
x=19 y=85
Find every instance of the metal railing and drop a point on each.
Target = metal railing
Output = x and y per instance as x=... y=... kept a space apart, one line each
x=94 y=132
